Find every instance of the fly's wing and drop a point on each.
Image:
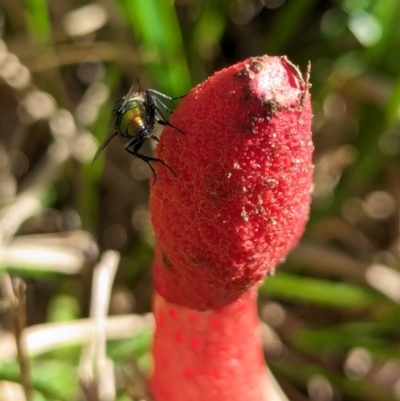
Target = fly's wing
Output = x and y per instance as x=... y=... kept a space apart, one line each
x=113 y=132
x=133 y=91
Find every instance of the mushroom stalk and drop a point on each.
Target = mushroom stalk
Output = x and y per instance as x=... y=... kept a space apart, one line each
x=239 y=203
x=206 y=358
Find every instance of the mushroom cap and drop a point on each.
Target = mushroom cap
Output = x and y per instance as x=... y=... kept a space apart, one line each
x=241 y=196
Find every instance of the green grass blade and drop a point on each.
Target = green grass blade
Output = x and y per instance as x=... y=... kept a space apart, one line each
x=285 y=27
x=155 y=25
x=38 y=20
x=387 y=14
x=319 y=292
x=359 y=389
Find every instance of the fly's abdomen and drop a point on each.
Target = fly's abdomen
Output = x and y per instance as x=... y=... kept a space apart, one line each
x=131 y=119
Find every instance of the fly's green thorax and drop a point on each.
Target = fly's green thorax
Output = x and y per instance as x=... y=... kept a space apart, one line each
x=134 y=117
x=131 y=118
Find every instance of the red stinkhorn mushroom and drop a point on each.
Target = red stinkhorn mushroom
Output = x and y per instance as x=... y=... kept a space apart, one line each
x=238 y=205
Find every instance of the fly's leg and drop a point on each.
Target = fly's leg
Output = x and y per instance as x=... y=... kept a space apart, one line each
x=137 y=144
x=164 y=121
x=167 y=123
x=146 y=159
x=152 y=102
x=162 y=104
x=170 y=98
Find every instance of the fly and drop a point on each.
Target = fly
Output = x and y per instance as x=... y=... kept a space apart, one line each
x=134 y=118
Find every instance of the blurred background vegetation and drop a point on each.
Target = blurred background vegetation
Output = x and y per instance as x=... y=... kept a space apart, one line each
x=331 y=313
